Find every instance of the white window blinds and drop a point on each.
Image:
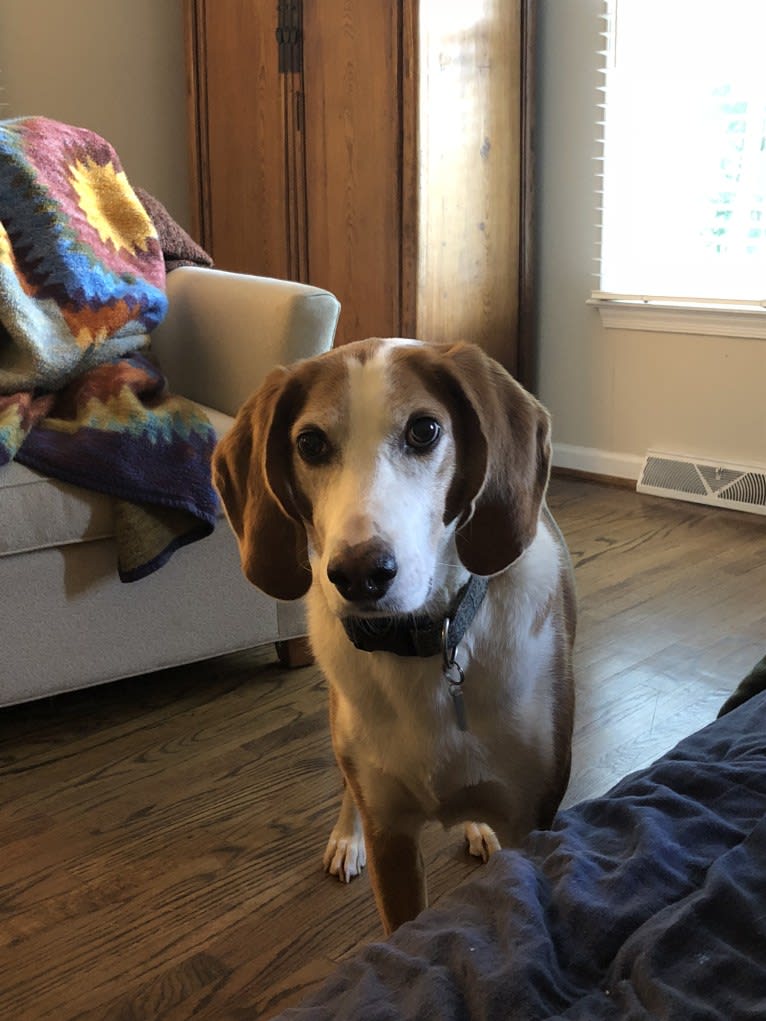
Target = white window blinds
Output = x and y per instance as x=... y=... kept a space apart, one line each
x=684 y=175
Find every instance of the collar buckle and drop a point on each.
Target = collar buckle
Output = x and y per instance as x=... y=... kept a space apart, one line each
x=448 y=655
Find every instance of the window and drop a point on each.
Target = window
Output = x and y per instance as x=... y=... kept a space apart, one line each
x=684 y=168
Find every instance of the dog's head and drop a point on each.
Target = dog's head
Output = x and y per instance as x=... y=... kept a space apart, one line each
x=377 y=467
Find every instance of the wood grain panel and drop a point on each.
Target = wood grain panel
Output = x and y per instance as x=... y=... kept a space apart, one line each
x=246 y=165
x=526 y=333
x=196 y=100
x=353 y=144
x=469 y=168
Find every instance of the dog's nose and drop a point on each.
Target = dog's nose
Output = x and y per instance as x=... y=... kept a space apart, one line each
x=363 y=573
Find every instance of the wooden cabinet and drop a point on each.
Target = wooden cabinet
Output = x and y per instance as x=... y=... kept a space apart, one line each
x=379 y=148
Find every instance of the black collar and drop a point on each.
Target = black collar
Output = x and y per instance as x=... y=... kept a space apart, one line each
x=419 y=636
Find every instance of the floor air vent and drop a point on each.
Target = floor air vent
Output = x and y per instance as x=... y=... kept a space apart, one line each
x=738 y=487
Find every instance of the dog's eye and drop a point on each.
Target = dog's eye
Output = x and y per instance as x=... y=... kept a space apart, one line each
x=422 y=433
x=313 y=446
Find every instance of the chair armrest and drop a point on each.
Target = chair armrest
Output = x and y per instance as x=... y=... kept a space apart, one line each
x=224 y=331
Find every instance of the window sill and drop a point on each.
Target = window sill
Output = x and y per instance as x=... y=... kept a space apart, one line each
x=657 y=316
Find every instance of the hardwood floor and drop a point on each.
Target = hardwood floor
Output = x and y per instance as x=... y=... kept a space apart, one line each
x=161 y=838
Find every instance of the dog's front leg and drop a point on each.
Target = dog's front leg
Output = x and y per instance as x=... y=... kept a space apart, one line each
x=345 y=855
x=397 y=874
x=391 y=839
x=396 y=864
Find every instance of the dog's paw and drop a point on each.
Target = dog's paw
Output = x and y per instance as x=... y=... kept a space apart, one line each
x=481 y=840
x=345 y=855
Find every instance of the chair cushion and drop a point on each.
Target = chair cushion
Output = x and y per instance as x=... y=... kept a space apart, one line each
x=38 y=512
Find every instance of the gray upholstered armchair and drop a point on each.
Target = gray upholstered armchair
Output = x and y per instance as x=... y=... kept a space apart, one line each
x=67 y=620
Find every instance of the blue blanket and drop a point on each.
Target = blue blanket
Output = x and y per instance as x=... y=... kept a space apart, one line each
x=649 y=902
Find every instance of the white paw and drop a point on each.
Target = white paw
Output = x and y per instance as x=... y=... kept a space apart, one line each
x=481 y=838
x=344 y=856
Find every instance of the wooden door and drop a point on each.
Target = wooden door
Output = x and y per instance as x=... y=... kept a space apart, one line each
x=351 y=72
x=465 y=273
x=240 y=136
x=390 y=163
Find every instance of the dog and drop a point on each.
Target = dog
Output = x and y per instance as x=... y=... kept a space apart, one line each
x=400 y=486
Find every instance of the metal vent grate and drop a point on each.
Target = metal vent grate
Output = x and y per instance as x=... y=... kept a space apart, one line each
x=751 y=488
x=738 y=487
x=679 y=476
x=718 y=478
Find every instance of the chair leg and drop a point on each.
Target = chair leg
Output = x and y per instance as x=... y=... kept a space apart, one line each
x=295 y=652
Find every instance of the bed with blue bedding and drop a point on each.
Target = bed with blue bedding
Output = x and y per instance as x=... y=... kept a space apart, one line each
x=648 y=902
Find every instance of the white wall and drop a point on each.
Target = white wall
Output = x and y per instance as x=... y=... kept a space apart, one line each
x=114 y=66
x=615 y=393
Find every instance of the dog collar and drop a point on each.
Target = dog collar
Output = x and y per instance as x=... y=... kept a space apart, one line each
x=420 y=636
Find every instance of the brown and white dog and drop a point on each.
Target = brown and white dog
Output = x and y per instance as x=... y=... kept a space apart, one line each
x=401 y=485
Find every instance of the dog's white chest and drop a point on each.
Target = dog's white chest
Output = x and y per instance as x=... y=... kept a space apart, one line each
x=397 y=717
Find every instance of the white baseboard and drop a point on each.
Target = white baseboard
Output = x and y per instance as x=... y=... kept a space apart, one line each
x=597 y=462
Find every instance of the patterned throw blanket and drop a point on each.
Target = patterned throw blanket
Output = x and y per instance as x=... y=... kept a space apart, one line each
x=82 y=281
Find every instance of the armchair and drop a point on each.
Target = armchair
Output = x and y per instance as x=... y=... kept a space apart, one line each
x=68 y=621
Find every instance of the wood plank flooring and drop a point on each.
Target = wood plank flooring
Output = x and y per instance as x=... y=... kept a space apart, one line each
x=161 y=838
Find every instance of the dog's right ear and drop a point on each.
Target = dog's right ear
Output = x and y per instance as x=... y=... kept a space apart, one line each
x=506 y=452
x=252 y=473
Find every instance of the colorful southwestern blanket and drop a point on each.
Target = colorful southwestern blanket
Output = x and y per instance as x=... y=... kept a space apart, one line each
x=82 y=282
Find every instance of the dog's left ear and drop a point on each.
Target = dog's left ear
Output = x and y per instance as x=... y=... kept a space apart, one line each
x=504 y=455
x=252 y=473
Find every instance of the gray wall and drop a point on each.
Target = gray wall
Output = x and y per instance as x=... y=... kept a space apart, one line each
x=114 y=66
